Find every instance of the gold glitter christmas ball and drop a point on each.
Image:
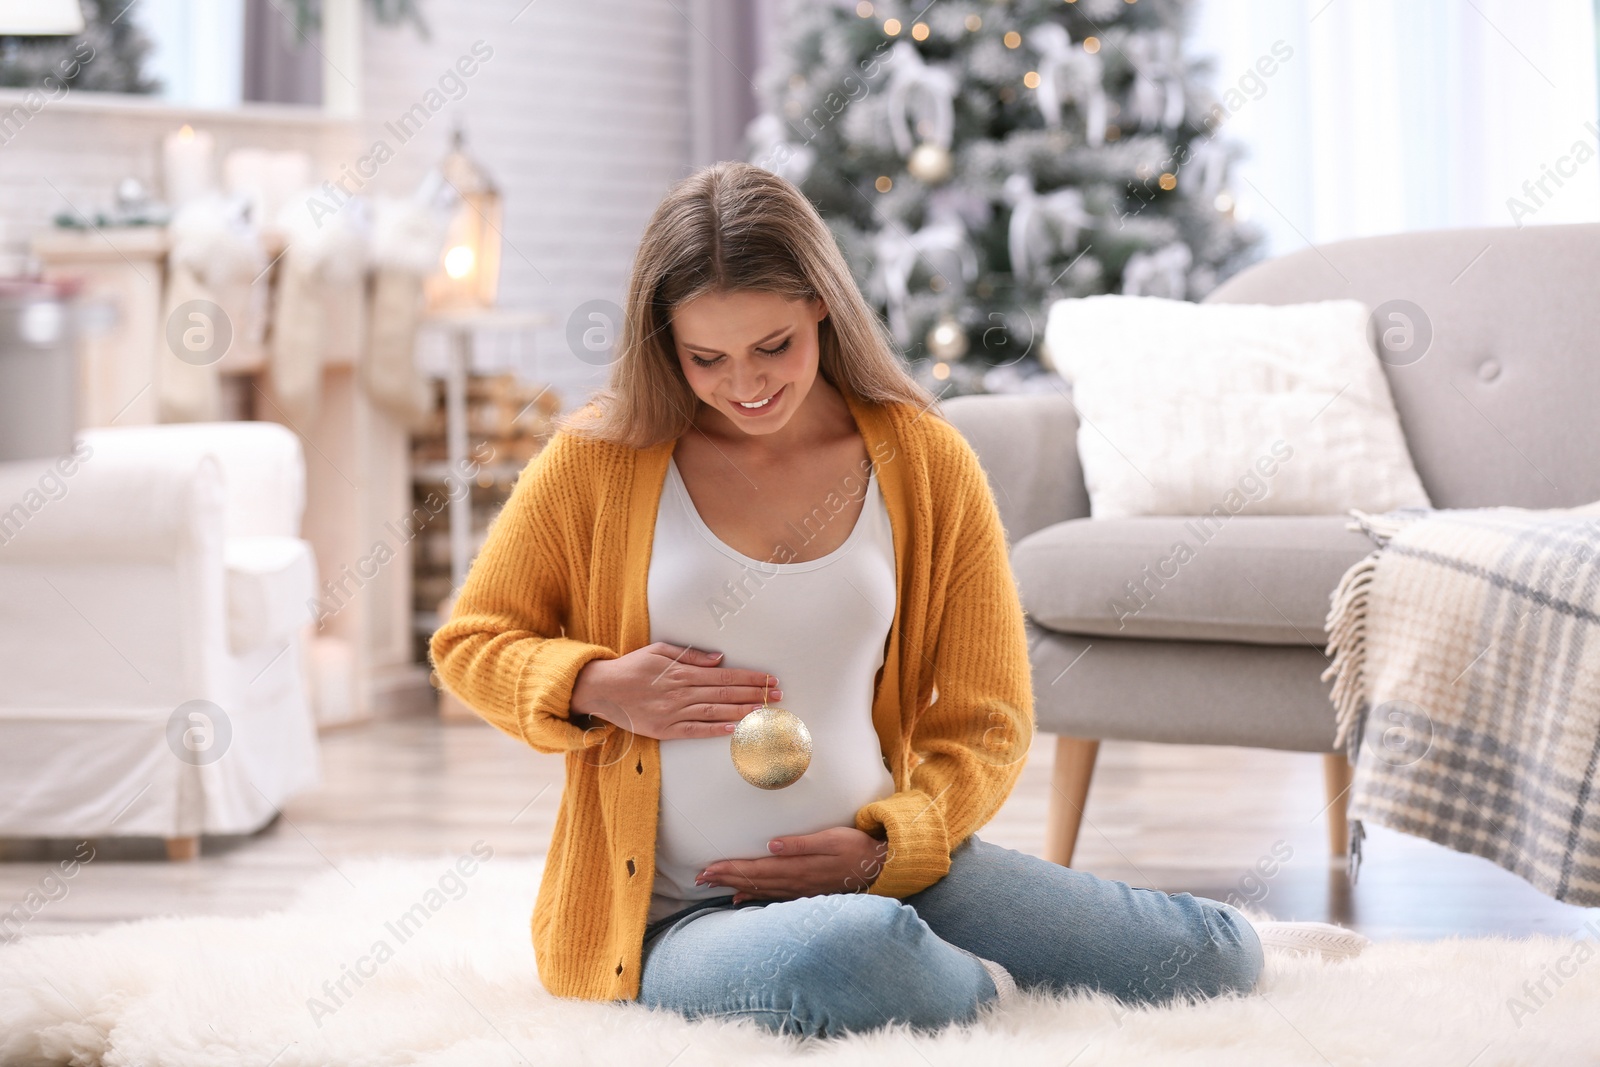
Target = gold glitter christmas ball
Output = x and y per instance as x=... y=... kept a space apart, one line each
x=771 y=748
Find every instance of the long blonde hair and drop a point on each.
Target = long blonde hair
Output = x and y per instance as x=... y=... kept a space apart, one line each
x=729 y=227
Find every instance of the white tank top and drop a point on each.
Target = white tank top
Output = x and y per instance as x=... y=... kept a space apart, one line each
x=820 y=628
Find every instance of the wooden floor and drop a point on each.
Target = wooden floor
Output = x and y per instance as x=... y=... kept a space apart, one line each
x=1178 y=818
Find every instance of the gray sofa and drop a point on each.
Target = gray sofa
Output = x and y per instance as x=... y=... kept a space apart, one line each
x=1502 y=406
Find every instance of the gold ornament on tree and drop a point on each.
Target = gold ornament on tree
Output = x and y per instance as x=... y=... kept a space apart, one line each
x=921 y=98
x=771 y=747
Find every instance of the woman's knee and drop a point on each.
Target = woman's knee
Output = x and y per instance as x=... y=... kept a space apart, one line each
x=859 y=961
x=1225 y=958
x=1237 y=946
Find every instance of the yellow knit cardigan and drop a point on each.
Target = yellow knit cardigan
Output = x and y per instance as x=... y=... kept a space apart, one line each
x=561 y=580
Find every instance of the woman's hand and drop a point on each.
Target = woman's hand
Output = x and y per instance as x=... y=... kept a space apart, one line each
x=668 y=691
x=840 y=859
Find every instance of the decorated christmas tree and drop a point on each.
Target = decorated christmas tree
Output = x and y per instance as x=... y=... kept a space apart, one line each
x=979 y=160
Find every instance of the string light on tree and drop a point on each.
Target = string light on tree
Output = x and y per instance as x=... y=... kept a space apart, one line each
x=929 y=163
x=947 y=340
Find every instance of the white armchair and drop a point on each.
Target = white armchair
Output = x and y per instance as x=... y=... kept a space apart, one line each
x=154 y=623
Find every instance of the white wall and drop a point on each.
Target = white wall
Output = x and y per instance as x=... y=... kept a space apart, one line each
x=581 y=115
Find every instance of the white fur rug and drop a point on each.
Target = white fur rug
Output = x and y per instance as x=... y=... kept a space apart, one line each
x=462 y=989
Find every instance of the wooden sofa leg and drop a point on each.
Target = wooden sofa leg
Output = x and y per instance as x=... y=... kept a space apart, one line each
x=1069 y=788
x=181 y=849
x=1336 y=778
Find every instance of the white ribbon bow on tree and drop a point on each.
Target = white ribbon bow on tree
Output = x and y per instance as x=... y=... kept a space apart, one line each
x=1210 y=165
x=897 y=253
x=1164 y=272
x=1063 y=209
x=1157 y=91
x=935 y=106
x=1067 y=72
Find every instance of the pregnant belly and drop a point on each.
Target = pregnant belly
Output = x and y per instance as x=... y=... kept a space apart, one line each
x=708 y=812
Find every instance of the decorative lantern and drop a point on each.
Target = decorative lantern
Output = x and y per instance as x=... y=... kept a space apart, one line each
x=469 y=267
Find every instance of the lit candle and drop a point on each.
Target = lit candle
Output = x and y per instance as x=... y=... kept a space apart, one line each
x=186 y=160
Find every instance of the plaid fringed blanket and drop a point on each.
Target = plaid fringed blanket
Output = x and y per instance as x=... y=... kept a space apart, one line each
x=1466 y=681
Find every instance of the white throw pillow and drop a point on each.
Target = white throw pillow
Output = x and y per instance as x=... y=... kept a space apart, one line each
x=1185 y=408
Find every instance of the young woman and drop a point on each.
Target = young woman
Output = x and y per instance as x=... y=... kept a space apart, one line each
x=764 y=509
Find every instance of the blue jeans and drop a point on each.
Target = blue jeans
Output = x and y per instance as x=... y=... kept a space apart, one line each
x=839 y=962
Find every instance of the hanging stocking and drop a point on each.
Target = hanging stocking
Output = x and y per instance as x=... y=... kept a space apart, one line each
x=389 y=371
x=187 y=385
x=297 y=326
x=324 y=249
x=215 y=253
x=407 y=238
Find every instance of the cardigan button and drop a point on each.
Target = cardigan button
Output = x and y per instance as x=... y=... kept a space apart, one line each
x=630 y=867
x=619 y=966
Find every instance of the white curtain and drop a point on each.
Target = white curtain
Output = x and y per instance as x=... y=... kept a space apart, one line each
x=197 y=49
x=1393 y=115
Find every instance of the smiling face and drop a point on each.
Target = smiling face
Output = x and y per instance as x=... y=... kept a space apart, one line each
x=749 y=347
